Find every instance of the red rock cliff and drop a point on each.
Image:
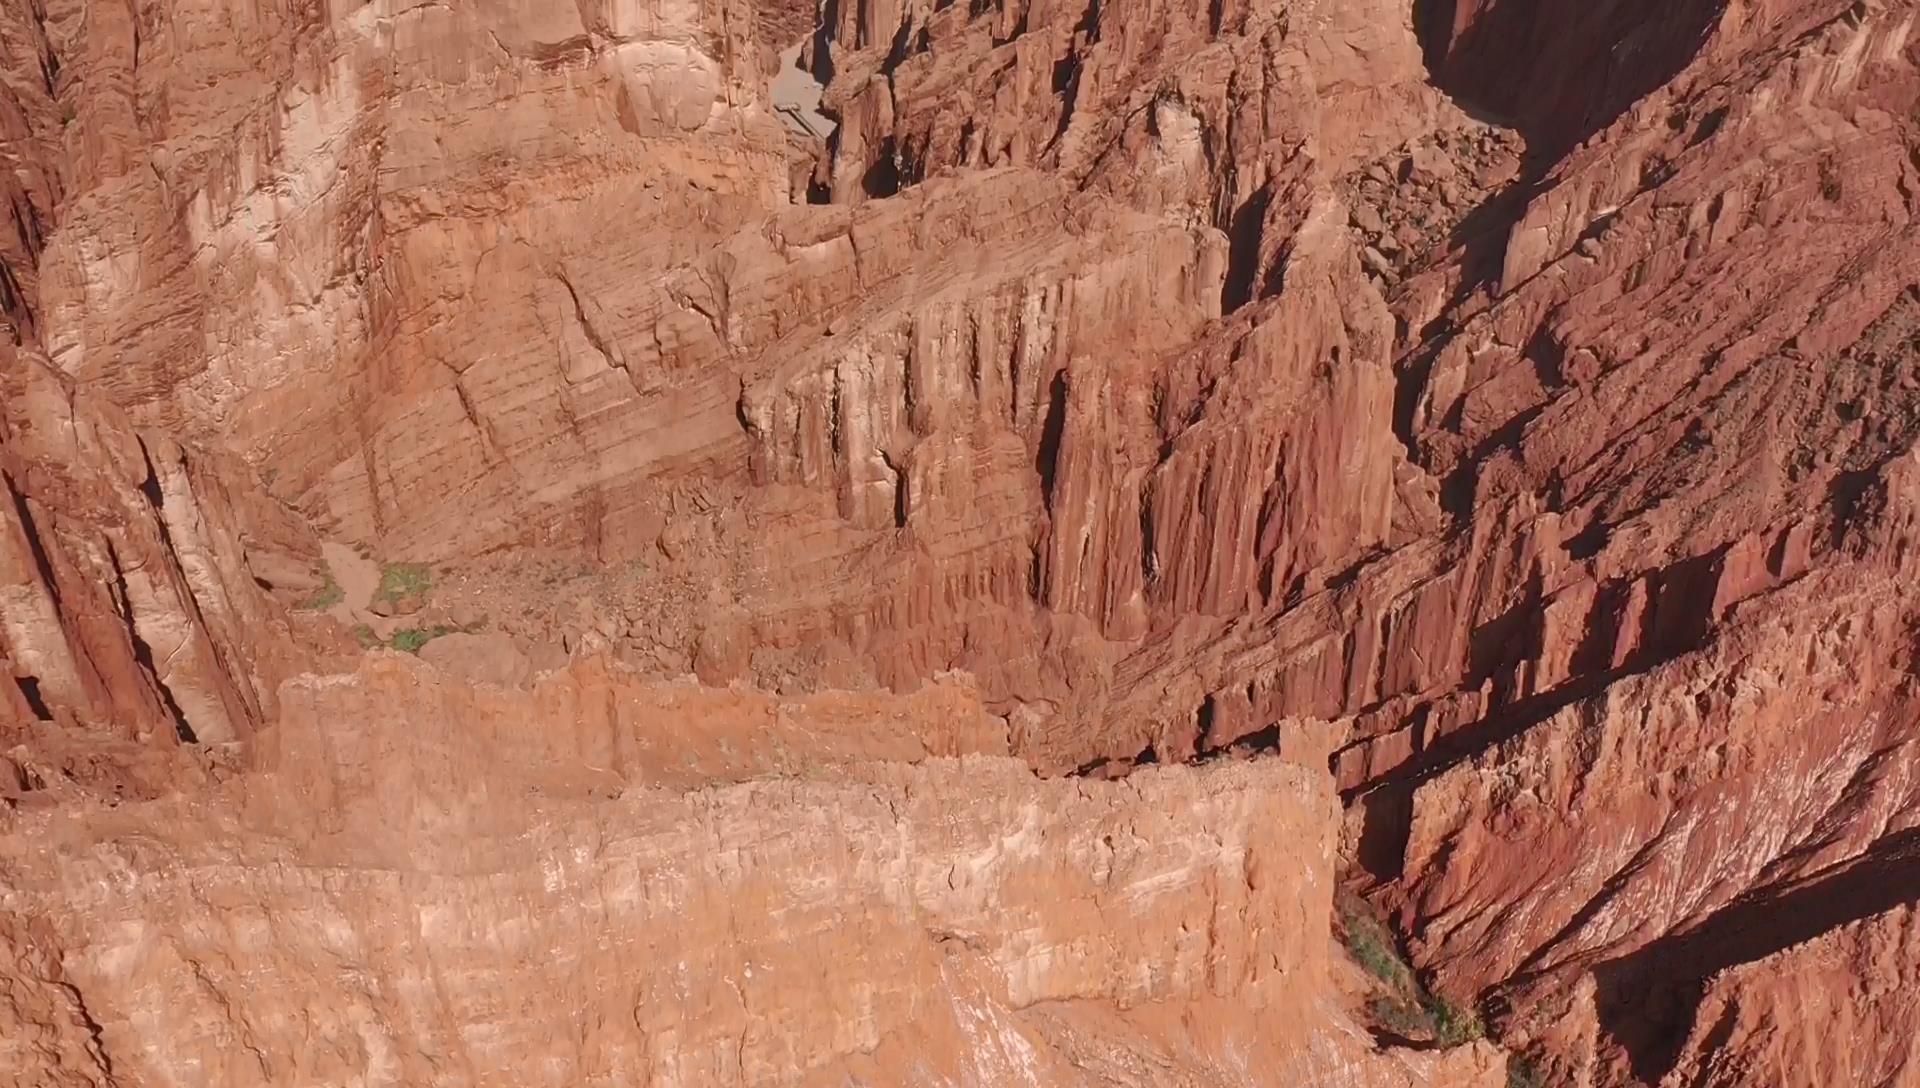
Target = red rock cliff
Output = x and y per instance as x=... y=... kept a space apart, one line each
x=1512 y=405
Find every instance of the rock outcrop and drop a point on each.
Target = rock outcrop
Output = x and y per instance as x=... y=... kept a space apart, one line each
x=137 y=577
x=394 y=892
x=1514 y=406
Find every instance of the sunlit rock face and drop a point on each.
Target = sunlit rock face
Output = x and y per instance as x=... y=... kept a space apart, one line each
x=937 y=534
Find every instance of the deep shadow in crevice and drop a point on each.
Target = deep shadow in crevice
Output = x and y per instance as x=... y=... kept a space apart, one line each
x=36 y=547
x=882 y=178
x=821 y=53
x=1046 y=459
x=1647 y=1000
x=1109 y=768
x=30 y=690
x=1549 y=71
x=1386 y=820
x=1243 y=250
x=1559 y=70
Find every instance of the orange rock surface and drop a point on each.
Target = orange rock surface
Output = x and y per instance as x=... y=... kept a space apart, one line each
x=948 y=602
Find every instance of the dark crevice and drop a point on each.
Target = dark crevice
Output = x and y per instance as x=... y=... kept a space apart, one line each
x=49 y=59
x=1046 y=459
x=1386 y=821
x=1560 y=70
x=1020 y=27
x=902 y=491
x=150 y=487
x=143 y=653
x=820 y=52
x=1089 y=24
x=1256 y=742
x=1066 y=81
x=882 y=178
x=1149 y=554
x=899 y=49
x=1410 y=376
x=1456 y=491
x=1589 y=541
x=1433 y=25
x=30 y=689
x=1549 y=358
x=1505 y=640
x=42 y=563
x=96 y=1038
x=1110 y=767
x=1647 y=1000
x=1243 y=250
x=1063 y=73
x=1847 y=497
x=13 y=304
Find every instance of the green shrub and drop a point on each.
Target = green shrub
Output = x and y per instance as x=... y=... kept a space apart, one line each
x=1522 y=1073
x=1452 y=1024
x=410 y=639
x=326 y=597
x=1406 y=1007
x=399 y=580
x=1404 y=1018
x=1369 y=953
x=365 y=637
x=1372 y=945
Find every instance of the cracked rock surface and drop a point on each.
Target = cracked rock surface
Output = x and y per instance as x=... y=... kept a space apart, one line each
x=959 y=543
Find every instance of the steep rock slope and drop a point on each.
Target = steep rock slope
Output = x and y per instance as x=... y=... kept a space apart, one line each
x=435 y=347
x=1517 y=397
x=137 y=578
x=378 y=899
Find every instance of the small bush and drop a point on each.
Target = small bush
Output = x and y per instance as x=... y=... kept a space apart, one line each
x=326 y=597
x=1401 y=1017
x=1406 y=1008
x=365 y=637
x=1830 y=188
x=398 y=580
x=1374 y=956
x=1372 y=945
x=410 y=639
x=1452 y=1024
x=1522 y=1073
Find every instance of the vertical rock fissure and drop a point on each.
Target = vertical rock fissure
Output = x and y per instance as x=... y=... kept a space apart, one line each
x=143 y=653
x=1052 y=433
x=96 y=1040
x=30 y=690
x=42 y=562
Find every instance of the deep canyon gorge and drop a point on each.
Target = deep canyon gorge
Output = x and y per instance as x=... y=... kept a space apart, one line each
x=960 y=542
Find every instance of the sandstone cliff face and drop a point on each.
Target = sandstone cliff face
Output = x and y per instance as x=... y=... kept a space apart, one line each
x=135 y=576
x=451 y=357
x=1513 y=403
x=387 y=897
x=1828 y=1011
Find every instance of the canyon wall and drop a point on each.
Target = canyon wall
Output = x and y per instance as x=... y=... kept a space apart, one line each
x=1511 y=405
x=388 y=893
x=137 y=579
